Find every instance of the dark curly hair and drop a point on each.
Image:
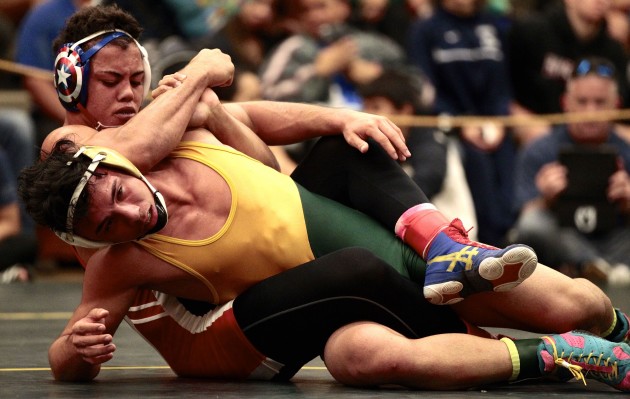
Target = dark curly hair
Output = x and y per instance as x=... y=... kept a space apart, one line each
x=46 y=187
x=89 y=20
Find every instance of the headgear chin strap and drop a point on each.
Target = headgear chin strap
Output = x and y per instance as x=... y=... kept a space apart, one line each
x=114 y=159
x=72 y=68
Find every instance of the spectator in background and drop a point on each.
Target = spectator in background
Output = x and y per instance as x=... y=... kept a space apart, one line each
x=18 y=250
x=387 y=17
x=541 y=180
x=436 y=162
x=460 y=50
x=545 y=48
x=618 y=21
x=248 y=35
x=36 y=33
x=324 y=60
x=17 y=140
x=159 y=18
x=17 y=135
x=197 y=19
x=419 y=9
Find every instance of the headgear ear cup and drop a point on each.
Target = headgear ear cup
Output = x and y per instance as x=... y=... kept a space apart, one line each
x=72 y=68
x=68 y=77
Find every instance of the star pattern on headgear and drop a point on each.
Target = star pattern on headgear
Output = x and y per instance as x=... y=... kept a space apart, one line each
x=62 y=76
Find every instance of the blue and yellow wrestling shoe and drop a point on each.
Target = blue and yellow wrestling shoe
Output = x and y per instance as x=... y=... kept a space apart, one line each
x=458 y=267
x=581 y=355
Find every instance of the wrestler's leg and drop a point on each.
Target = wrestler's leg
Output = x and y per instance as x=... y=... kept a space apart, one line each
x=368 y=182
x=548 y=301
x=372 y=183
x=368 y=354
x=289 y=317
x=376 y=185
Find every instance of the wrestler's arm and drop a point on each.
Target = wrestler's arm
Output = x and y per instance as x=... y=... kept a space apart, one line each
x=232 y=132
x=156 y=130
x=279 y=123
x=86 y=341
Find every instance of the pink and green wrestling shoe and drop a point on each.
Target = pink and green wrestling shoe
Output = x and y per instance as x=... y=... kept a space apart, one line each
x=581 y=355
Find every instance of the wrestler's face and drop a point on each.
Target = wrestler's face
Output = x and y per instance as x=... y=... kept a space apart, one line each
x=122 y=208
x=116 y=84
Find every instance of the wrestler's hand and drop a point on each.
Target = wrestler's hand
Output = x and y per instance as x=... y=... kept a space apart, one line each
x=208 y=104
x=167 y=83
x=216 y=65
x=360 y=126
x=90 y=340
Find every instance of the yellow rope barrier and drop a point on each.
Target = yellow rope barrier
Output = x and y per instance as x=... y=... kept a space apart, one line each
x=419 y=120
x=25 y=70
x=510 y=120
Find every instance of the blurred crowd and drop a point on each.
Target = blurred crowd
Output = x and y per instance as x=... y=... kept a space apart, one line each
x=402 y=58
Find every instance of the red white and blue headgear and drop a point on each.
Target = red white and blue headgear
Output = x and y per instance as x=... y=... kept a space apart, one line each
x=72 y=68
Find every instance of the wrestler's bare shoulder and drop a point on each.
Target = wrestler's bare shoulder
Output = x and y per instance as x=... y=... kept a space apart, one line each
x=78 y=133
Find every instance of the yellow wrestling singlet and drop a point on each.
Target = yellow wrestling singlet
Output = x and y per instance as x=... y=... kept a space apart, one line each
x=256 y=241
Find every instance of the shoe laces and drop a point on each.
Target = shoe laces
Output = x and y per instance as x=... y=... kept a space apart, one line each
x=458 y=226
x=458 y=233
x=598 y=366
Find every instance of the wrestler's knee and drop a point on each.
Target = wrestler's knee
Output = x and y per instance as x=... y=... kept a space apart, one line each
x=584 y=306
x=357 y=354
x=592 y=306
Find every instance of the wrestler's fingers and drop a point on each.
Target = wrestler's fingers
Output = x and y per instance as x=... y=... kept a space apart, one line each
x=396 y=139
x=173 y=80
x=99 y=359
x=98 y=354
x=390 y=137
x=86 y=327
x=158 y=91
x=387 y=145
x=97 y=314
x=356 y=141
x=87 y=341
x=167 y=83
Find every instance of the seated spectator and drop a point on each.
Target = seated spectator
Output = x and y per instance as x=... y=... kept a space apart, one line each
x=545 y=48
x=36 y=33
x=248 y=35
x=17 y=141
x=541 y=181
x=324 y=60
x=18 y=251
x=436 y=164
x=387 y=17
x=460 y=50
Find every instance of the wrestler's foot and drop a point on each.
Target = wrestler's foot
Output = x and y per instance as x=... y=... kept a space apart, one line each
x=458 y=267
x=579 y=355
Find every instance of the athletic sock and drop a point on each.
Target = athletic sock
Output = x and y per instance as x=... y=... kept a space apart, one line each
x=618 y=330
x=419 y=225
x=524 y=355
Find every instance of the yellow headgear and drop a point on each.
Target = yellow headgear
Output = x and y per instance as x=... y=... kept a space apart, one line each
x=113 y=159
